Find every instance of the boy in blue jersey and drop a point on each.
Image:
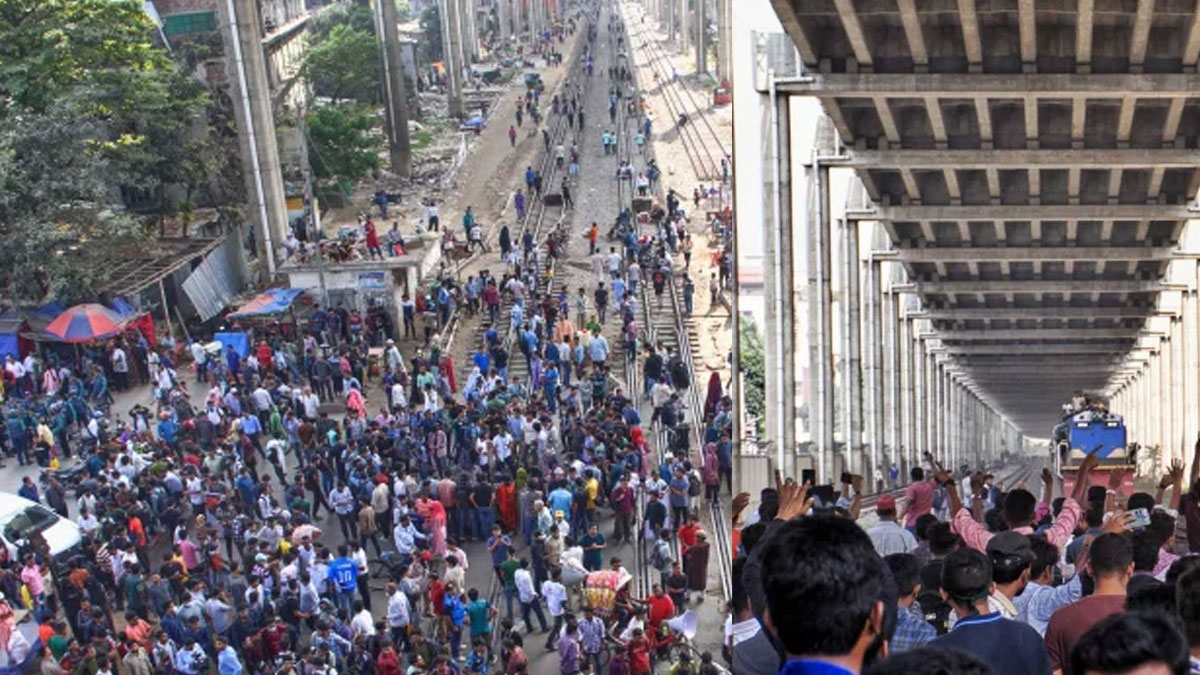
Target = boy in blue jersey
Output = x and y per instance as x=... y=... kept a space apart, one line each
x=343 y=578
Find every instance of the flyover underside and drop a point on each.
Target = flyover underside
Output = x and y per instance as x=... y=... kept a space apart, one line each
x=1033 y=167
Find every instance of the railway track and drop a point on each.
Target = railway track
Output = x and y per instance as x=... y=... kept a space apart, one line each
x=706 y=152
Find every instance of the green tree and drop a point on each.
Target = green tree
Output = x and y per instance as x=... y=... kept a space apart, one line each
x=344 y=65
x=753 y=371
x=341 y=142
x=357 y=17
x=88 y=106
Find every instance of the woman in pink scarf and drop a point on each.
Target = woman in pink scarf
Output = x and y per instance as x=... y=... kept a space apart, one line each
x=709 y=473
x=355 y=403
x=437 y=528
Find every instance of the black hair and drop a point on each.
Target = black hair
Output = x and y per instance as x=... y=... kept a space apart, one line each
x=1008 y=568
x=1019 y=507
x=967 y=577
x=821 y=577
x=1151 y=597
x=1163 y=523
x=751 y=534
x=1187 y=603
x=738 y=595
x=1140 y=500
x=1110 y=554
x=923 y=524
x=941 y=539
x=1056 y=505
x=1094 y=515
x=917 y=473
x=929 y=660
x=1181 y=567
x=1045 y=556
x=1097 y=494
x=1146 y=543
x=994 y=520
x=1123 y=642
x=906 y=570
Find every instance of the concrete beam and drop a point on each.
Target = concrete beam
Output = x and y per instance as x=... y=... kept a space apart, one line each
x=955 y=313
x=1083 y=348
x=1028 y=253
x=1084 y=18
x=1140 y=39
x=969 y=19
x=1042 y=286
x=1166 y=158
x=791 y=25
x=1027 y=21
x=1039 y=333
x=1026 y=212
x=1000 y=86
x=913 y=32
x=854 y=31
x=1191 y=52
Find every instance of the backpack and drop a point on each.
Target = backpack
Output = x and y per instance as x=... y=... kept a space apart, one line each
x=693 y=485
x=659 y=559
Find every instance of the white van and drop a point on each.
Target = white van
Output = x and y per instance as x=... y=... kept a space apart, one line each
x=20 y=518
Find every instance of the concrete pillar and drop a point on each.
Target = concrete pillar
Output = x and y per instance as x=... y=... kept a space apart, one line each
x=908 y=412
x=1163 y=396
x=251 y=92
x=468 y=10
x=852 y=338
x=399 y=147
x=503 y=16
x=1191 y=324
x=779 y=334
x=920 y=385
x=894 y=406
x=452 y=51
x=824 y=298
x=724 y=40
x=936 y=408
x=877 y=384
x=701 y=36
x=1178 y=375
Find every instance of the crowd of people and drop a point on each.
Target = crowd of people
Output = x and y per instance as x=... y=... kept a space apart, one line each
x=298 y=508
x=970 y=578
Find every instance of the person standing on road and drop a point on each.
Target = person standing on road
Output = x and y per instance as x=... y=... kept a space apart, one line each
x=432 y=216
x=512 y=136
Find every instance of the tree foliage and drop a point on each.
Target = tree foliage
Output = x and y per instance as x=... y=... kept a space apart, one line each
x=341 y=143
x=753 y=370
x=88 y=105
x=345 y=64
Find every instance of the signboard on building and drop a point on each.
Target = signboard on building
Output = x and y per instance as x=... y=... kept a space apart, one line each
x=372 y=281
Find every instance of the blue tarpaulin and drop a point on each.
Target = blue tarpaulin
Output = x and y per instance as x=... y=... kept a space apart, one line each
x=273 y=301
x=240 y=342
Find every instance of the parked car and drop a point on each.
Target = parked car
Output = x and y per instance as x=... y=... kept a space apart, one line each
x=20 y=518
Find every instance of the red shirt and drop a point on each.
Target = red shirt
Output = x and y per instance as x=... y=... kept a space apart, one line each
x=437 y=597
x=639 y=656
x=1069 y=623
x=661 y=609
x=919 y=497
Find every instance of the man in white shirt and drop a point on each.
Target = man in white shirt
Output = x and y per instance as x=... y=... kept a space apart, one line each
x=120 y=366
x=311 y=404
x=342 y=501
x=362 y=625
x=406 y=536
x=888 y=537
x=398 y=614
x=528 y=596
x=556 y=601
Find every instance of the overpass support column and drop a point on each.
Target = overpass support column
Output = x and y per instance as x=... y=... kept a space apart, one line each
x=920 y=387
x=878 y=382
x=242 y=30
x=939 y=410
x=894 y=408
x=1163 y=398
x=779 y=336
x=452 y=50
x=1191 y=392
x=908 y=409
x=852 y=344
x=824 y=325
x=1178 y=376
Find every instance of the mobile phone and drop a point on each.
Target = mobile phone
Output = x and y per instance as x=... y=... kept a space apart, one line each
x=808 y=476
x=1141 y=519
x=847 y=478
x=824 y=495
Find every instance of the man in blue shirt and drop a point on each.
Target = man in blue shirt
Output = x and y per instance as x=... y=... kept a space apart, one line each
x=343 y=577
x=912 y=630
x=1008 y=646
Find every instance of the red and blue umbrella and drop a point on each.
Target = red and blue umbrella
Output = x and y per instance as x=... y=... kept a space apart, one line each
x=84 y=323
